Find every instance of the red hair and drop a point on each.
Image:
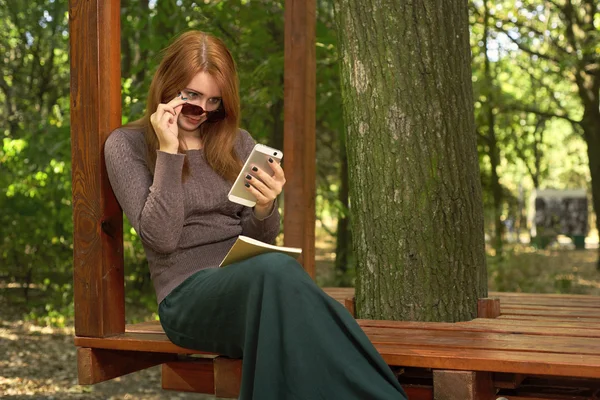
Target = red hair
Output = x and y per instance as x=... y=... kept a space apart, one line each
x=191 y=53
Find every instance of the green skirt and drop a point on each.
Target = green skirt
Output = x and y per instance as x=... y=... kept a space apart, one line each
x=296 y=341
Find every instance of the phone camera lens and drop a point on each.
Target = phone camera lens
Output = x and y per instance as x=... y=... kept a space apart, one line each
x=275 y=153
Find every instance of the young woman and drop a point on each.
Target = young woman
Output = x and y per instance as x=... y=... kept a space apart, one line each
x=171 y=172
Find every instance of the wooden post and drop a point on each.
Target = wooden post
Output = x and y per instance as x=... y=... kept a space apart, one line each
x=350 y=304
x=462 y=385
x=299 y=129
x=228 y=377
x=488 y=308
x=97 y=218
x=189 y=376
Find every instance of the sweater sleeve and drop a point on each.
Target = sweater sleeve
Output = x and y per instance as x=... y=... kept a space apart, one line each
x=265 y=229
x=153 y=204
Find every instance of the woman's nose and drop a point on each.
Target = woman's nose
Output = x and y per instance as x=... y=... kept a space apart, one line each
x=198 y=102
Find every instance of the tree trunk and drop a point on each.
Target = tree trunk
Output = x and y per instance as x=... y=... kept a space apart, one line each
x=589 y=92
x=416 y=201
x=344 y=234
x=591 y=128
x=494 y=151
x=587 y=78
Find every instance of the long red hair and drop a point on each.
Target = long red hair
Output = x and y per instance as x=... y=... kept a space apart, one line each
x=189 y=54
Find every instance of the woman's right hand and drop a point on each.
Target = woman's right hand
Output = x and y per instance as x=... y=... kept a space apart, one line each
x=164 y=121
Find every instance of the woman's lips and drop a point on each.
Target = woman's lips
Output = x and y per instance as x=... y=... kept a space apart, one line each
x=193 y=120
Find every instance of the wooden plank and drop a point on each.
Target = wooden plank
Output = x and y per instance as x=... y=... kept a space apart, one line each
x=144 y=327
x=147 y=342
x=228 y=377
x=552 y=312
x=464 y=340
x=95 y=56
x=555 y=302
x=496 y=325
x=523 y=352
x=99 y=365
x=542 y=295
x=492 y=360
x=547 y=328
x=537 y=329
x=533 y=323
x=189 y=376
x=583 y=312
x=508 y=299
x=462 y=385
x=299 y=128
x=534 y=317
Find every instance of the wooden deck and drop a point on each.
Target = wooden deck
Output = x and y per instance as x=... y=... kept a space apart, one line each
x=535 y=335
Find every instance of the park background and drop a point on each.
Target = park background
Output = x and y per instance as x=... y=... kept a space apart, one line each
x=527 y=108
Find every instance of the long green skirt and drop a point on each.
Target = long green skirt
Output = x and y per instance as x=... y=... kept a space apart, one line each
x=297 y=342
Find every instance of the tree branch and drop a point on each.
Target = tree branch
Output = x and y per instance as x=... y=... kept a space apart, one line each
x=544 y=85
x=558 y=6
x=528 y=49
x=569 y=12
x=519 y=24
x=541 y=113
x=520 y=152
x=483 y=137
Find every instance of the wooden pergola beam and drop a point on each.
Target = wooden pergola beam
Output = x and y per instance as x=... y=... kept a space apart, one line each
x=96 y=111
x=299 y=128
x=95 y=37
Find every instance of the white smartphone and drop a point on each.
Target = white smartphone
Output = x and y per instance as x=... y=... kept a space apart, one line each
x=260 y=157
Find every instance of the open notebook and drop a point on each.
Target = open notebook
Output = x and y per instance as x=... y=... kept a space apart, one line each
x=246 y=247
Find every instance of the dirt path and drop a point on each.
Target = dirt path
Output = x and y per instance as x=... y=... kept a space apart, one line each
x=40 y=363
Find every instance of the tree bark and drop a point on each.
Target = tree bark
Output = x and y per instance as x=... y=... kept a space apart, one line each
x=416 y=201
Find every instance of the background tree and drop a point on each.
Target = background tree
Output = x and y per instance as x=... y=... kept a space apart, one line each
x=35 y=223
x=414 y=175
x=533 y=148
x=561 y=39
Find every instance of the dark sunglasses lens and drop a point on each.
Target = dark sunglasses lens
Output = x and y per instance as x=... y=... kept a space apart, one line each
x=217 y=115
x=191 y=109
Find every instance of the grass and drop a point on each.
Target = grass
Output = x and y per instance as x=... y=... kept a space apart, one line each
x=523 y=269
x=520 y=269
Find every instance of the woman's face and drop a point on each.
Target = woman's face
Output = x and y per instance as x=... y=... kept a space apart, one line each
x=202 y=91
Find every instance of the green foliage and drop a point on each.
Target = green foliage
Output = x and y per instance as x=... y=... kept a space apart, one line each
x=533 y=98
x=532 y=95
x=36 y=225
x=35 y=182
x=522 y=269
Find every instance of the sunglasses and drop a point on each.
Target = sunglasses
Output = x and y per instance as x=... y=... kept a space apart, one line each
x=211 y=116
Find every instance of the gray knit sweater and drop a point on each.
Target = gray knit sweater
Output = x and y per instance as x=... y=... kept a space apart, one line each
x=184 y=226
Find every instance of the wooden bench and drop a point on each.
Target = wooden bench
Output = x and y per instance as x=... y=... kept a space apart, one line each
x=472 y=360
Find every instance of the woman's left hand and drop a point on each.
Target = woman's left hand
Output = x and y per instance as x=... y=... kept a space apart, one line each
x=265 y=187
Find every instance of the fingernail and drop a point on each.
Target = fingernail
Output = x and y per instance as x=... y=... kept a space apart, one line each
x=184 y=98
x=270 y=160
x=178 y=94
x=254 y=169
x=248 y=176
x=247 y=184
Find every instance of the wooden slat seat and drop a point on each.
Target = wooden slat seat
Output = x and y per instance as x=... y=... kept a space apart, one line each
x=526 y=340
x=473 y=346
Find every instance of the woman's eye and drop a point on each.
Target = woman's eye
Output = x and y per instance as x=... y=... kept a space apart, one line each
x=215 y=100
